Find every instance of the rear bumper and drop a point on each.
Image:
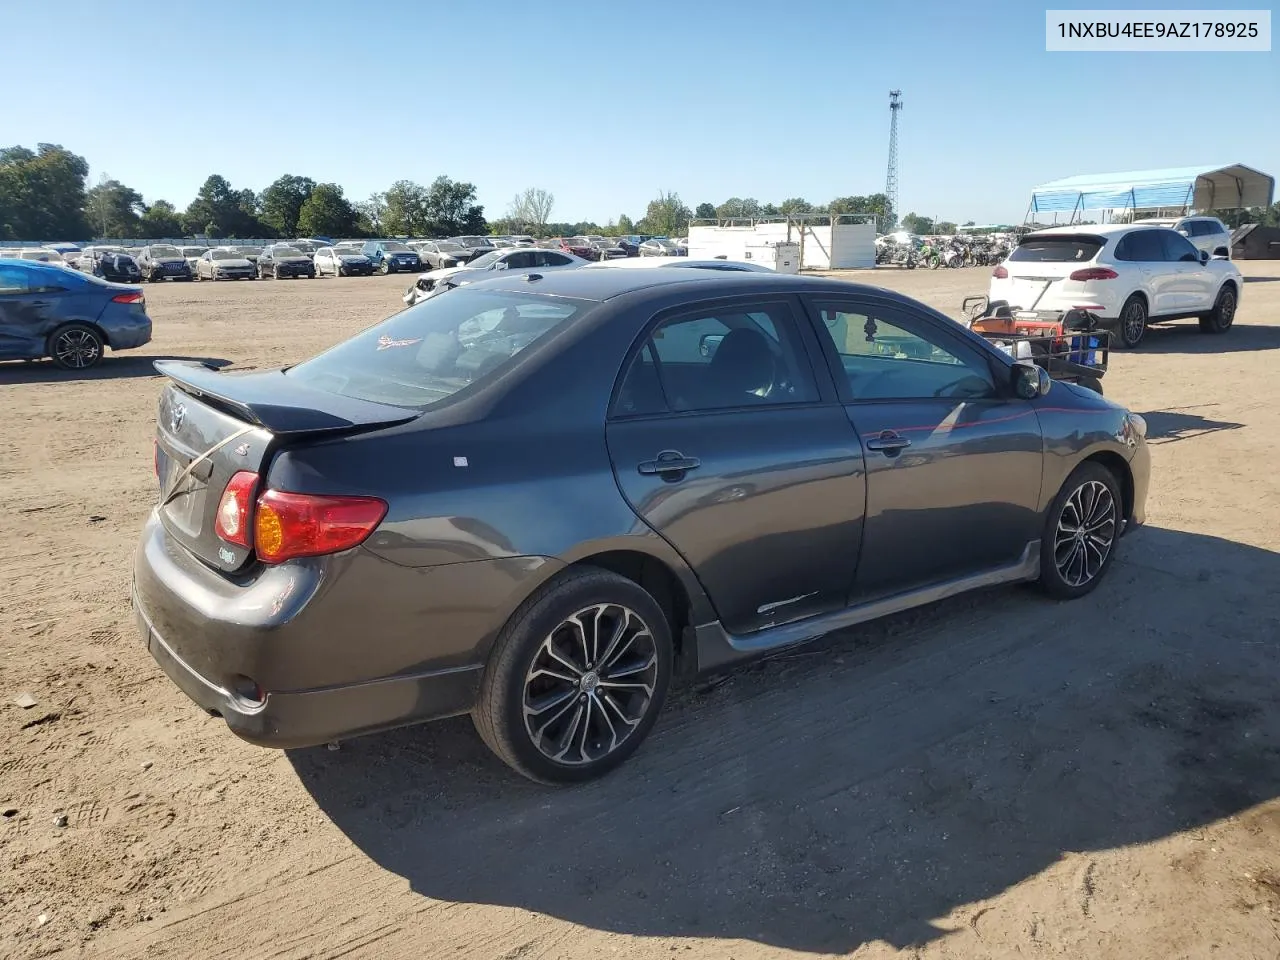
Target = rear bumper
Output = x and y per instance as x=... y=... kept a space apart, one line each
x=311 y=717
x=1140 y=470
x=1054 y=299
x=341 y=645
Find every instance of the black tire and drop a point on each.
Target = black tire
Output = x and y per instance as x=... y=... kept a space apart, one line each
x=75 y=346
x=1223 y=314
x=1132 y=328
x=1069 y=565
x=540 y=626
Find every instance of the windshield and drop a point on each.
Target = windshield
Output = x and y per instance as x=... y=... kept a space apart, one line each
x=192 y=251
x=225 y=255
x=488 y=260
x=448 y=246
x=396 y=248
x=1059 y=249
x=249 y=251
x=163 y=251
x=287 y=252
x=475 y=241
x=427 y=353
x=305 y=245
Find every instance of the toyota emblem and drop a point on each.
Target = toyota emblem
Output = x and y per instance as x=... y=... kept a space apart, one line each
x=177 y=416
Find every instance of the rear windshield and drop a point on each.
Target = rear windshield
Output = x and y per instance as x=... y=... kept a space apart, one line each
x=1075 y=249
x=427 y=353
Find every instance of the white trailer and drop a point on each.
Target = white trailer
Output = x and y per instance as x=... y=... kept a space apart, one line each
x=824 y=247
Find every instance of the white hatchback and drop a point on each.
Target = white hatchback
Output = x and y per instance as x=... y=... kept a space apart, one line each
x=1129 y=275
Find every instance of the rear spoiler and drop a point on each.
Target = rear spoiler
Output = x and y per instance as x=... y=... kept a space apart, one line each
x=279 y=403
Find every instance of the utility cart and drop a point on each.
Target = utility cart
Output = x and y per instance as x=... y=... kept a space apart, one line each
x=1068 y=344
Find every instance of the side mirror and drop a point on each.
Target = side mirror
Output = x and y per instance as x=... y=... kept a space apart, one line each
x=501 y=265
x=1222 y=252
x=708 y=344
x=1030 y=381
x=1184 y=231
x=1204 y=256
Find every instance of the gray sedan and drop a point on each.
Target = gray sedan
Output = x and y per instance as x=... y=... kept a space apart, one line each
x=484 y=267
x=540 y=498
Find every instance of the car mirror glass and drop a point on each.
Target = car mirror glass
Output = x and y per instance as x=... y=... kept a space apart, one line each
x=1026 y=380
x=1204 y=256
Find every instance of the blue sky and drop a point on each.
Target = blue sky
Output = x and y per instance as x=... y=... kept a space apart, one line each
x=606 y=103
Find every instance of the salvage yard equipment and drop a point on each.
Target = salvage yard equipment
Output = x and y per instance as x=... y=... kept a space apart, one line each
x=1068 y=344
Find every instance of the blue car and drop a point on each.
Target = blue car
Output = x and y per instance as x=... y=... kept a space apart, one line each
x=391 y=256
x=67 y=316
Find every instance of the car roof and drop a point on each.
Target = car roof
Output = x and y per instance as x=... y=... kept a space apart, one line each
x=601 y=285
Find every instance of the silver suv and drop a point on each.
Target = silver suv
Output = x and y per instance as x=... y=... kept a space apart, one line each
x=1206 y=233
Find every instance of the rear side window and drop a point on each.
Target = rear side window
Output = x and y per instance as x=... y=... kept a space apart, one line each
x=1063 y=249
x=1142 y=246
x=724 y=359
x=427 y=353
x=14 y=280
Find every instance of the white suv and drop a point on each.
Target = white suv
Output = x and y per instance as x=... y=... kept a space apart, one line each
x=1207 y=233
x=1128 y=274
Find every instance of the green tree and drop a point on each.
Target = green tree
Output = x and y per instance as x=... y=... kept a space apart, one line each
x=730 y=208
x=625 y=225
x=914 y=223
x=42 y=193
x=327 y=213
x=405 y=214
x=666 y=216
x=160 y=220
x=450 y=208
x=705 y=211
x=795 y=205
x=944 y=227
x=369 y=214
x=769 y=210
x=221 y=207
x=282 y=203
x=113 y=210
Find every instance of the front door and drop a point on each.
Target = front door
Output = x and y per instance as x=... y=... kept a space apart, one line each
x=1192 y=281
x=953 y=461
x=26 y=313
x=726 y=444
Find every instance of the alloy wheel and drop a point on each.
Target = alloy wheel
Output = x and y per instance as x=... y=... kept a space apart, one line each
x=1226 y=309
x=1135 y=322
x=76 y=349
x=590 y=684
x=1085 y=534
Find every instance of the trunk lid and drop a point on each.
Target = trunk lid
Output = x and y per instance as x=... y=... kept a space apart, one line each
x=1042 y=262
x=212 y=425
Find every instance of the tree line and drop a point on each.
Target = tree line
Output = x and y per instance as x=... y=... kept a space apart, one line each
x=44 y=196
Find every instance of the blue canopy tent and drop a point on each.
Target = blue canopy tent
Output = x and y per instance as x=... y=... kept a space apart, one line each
x=1226 y=187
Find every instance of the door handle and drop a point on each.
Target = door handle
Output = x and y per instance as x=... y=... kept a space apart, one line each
x=888 y=442
x=667 y=464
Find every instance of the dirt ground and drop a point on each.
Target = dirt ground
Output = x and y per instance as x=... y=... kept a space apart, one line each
x=995 y=776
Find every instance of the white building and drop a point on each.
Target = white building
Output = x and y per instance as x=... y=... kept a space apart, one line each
x=824 y=247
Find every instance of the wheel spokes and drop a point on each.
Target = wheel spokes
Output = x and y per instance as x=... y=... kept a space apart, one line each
x=1085 y=533
x=590 y=684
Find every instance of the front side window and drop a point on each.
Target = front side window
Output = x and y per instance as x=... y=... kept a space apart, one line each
x=429 y=352
x=725 y=358
x=887 y=355
x=1177 y=248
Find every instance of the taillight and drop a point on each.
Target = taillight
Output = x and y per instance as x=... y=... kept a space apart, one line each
x=235 y=509
x=288 y=525
x=1094 y=273
x=136 y=297
x=1000 y=273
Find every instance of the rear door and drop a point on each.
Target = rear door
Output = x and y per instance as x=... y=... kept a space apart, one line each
x=953 y=462
x=1146 y=250
x=729 y=443
x=28 y=312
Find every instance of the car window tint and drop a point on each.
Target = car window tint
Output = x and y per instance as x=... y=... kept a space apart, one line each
x=1057 y=249
x=556 y=260
x=732 y=358
x=14 y=280
x=1178 y=248
x=901 y=358
x=425 y=354
x=1145 y=246
x=640 y=393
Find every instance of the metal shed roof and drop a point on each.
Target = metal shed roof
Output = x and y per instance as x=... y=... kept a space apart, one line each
x=1224 y=187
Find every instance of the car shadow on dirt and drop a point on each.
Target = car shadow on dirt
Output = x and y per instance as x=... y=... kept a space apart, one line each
x=1185 y=337
x=863 y=787
x=1180 y=423
x=108 y=368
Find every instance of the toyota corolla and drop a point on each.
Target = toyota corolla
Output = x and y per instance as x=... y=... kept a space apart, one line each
x=539 y=498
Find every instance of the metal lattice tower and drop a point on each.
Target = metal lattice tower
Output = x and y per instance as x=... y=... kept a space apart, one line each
x=891 y=178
